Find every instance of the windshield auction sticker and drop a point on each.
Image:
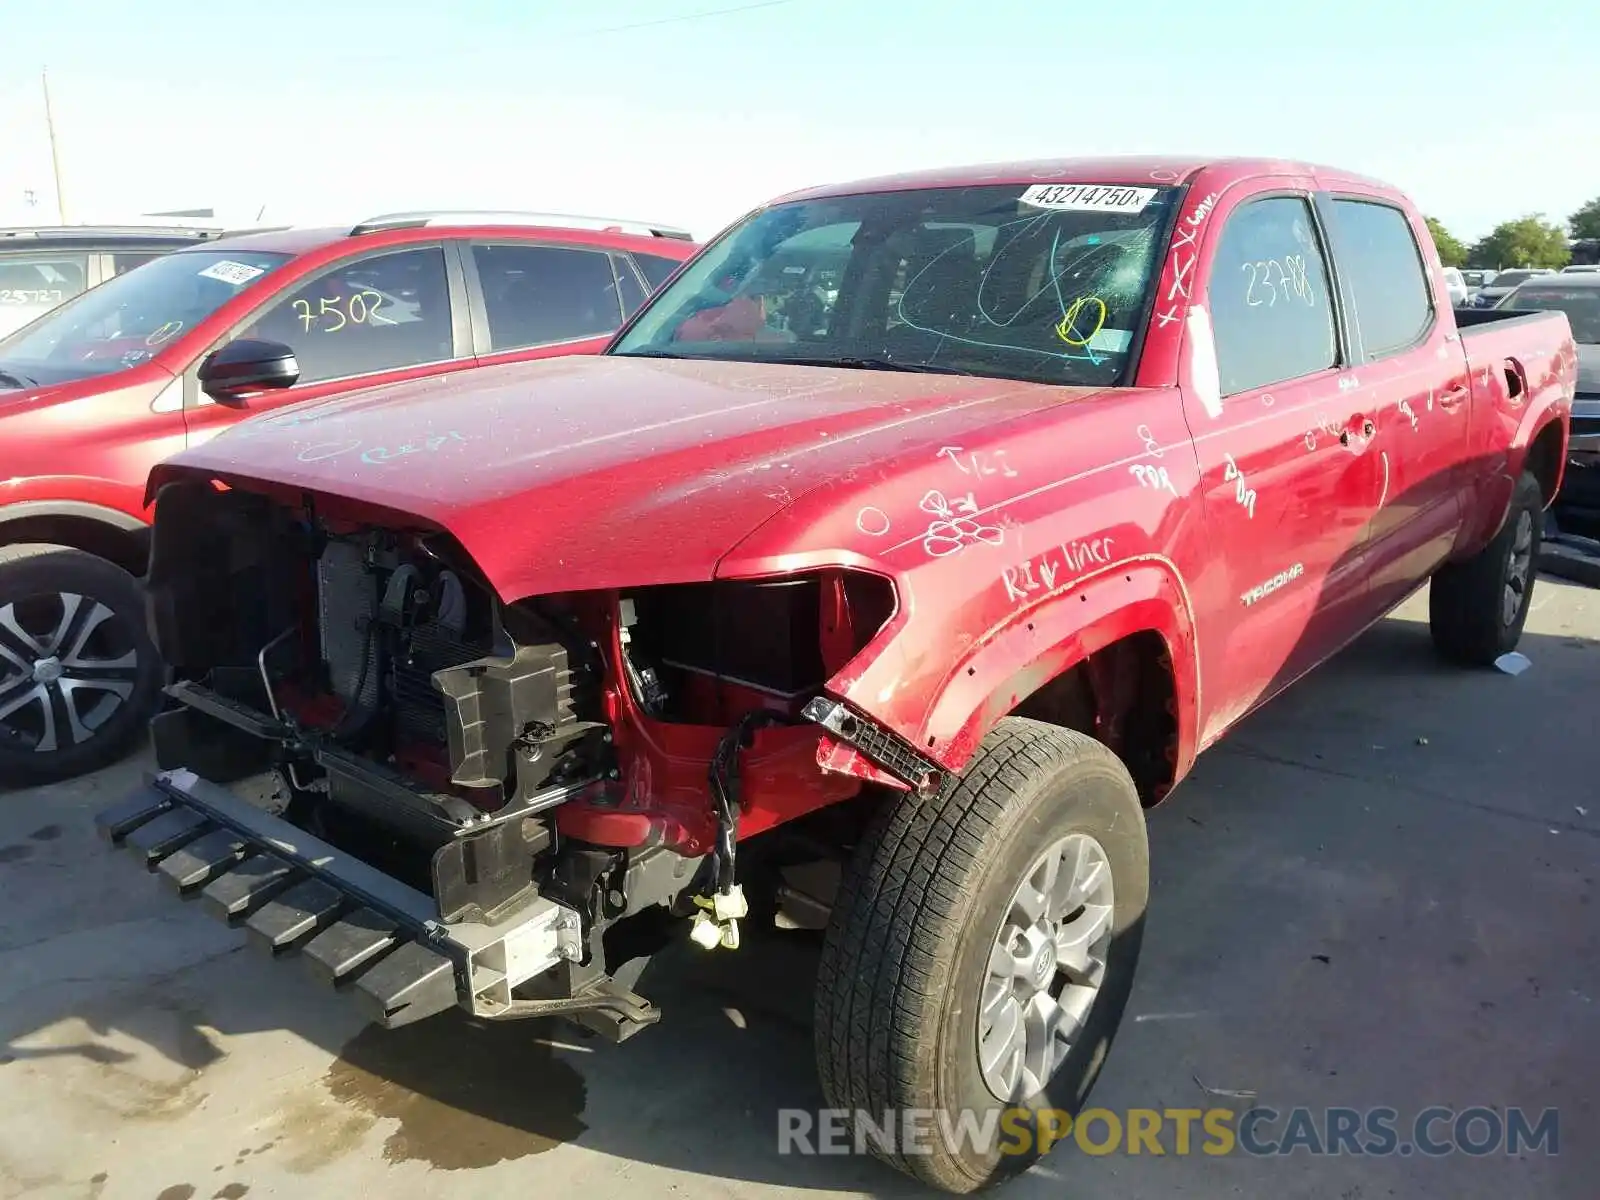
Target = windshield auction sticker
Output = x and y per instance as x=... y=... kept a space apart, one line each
x=1087 y=197
x=235 y=273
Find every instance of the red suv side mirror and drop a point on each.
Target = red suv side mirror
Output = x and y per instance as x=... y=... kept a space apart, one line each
x=247 y=365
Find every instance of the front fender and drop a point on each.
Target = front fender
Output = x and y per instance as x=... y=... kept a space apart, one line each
x=992 y=673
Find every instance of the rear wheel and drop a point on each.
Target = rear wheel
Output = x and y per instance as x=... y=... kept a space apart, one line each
x=982 y=950
x=1477 y=608
x=79 y=677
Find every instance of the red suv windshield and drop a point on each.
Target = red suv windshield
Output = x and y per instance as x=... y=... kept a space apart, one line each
x=129 y=318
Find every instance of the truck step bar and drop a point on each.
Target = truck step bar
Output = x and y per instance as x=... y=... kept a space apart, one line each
x=355 y=928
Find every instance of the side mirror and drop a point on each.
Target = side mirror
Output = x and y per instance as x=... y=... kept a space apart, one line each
x=247 y=365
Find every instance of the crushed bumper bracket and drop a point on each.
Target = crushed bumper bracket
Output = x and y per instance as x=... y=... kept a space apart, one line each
x=354 y=927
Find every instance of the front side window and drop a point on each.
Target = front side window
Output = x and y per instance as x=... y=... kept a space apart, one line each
x=1270 y=311
x=540 y=295
x=378 y=313
x=1380 y=258
x=33 y=284
x=127 y=319
x=1046 y=283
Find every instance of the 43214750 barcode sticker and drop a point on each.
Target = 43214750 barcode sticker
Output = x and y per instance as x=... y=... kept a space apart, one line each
x=228 y=271
x=1088 y=197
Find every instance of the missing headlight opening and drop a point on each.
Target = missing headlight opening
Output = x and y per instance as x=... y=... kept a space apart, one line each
x=599 y=754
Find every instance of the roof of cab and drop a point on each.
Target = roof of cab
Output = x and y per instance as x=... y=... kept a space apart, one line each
x=1122 y=170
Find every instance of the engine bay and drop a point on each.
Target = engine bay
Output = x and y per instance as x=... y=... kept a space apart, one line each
x=369 y=685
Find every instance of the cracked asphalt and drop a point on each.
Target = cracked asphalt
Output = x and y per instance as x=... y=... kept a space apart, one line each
x=1378 y=892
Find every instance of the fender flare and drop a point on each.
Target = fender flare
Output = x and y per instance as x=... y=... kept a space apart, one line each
x=1037 y=642
x=82 y=510
x=1493 y=497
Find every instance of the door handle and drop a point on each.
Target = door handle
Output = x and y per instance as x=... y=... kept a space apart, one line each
x=1454 y=396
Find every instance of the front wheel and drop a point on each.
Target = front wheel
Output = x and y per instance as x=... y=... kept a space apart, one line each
x=79 y=677
x=981 y=953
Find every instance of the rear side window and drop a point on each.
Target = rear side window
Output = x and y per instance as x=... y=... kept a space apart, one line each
x=539 y=295
x=34 y=284
x=1268 y=293
x=1380 y=258
x=655 y=269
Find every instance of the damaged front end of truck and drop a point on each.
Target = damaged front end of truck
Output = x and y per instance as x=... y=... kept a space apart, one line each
x=440 y=798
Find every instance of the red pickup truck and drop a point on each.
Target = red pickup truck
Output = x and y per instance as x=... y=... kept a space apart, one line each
x=95 y=393
x=904 y=549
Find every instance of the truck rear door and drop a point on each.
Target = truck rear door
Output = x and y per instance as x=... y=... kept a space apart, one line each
x=1410 y=369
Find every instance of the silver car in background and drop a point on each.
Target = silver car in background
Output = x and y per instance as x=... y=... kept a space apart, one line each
x=43 y=267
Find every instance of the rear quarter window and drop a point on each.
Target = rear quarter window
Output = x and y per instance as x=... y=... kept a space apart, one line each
x=1382 y=264
x=654 y=268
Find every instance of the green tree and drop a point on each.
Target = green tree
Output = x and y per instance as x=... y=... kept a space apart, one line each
x=1451 y=252
x=1529 y=241
x=1585 y=223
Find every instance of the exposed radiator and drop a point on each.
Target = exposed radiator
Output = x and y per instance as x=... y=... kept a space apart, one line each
x=347 y=602
x=419 y=708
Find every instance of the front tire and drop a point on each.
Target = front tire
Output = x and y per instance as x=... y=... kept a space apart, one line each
x=79 y=677
x=952 y=931
x=1477 y=608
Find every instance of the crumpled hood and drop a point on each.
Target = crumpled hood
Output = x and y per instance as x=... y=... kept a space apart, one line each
x=590 y=472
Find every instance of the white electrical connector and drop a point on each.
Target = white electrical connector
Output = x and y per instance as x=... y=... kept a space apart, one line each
x=730 y=905
x=717 y=922
x=705 y=932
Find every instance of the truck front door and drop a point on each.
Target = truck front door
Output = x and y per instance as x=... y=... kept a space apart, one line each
x=1282 y=439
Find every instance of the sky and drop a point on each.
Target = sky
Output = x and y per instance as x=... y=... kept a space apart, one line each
x=693 y=111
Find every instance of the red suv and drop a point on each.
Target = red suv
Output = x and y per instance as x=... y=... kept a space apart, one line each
x=94 y=393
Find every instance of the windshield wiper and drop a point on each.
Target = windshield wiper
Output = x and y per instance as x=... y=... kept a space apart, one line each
x=12 y=379
x=850 y=362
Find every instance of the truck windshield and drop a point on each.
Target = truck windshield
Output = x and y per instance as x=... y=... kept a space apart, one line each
x=1047 y=283
x=1582 y=306
x=129 y=318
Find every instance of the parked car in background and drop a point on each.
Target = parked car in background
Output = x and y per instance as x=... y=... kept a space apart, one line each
x=165 y=356
x=1493 y=292
x=1475 y=280
x=1455 y=287
x=1580 y=269
x=889 y=619
x=45 y=267
x=1576 y=293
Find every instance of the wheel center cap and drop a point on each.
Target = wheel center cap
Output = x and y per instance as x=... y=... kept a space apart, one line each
x=1044 y=968
x=48 y=671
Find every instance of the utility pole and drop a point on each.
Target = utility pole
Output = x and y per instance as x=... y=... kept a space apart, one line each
x=55 y=156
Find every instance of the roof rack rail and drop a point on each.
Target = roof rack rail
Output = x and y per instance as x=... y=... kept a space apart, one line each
x=45 y=232
x=417 y=220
